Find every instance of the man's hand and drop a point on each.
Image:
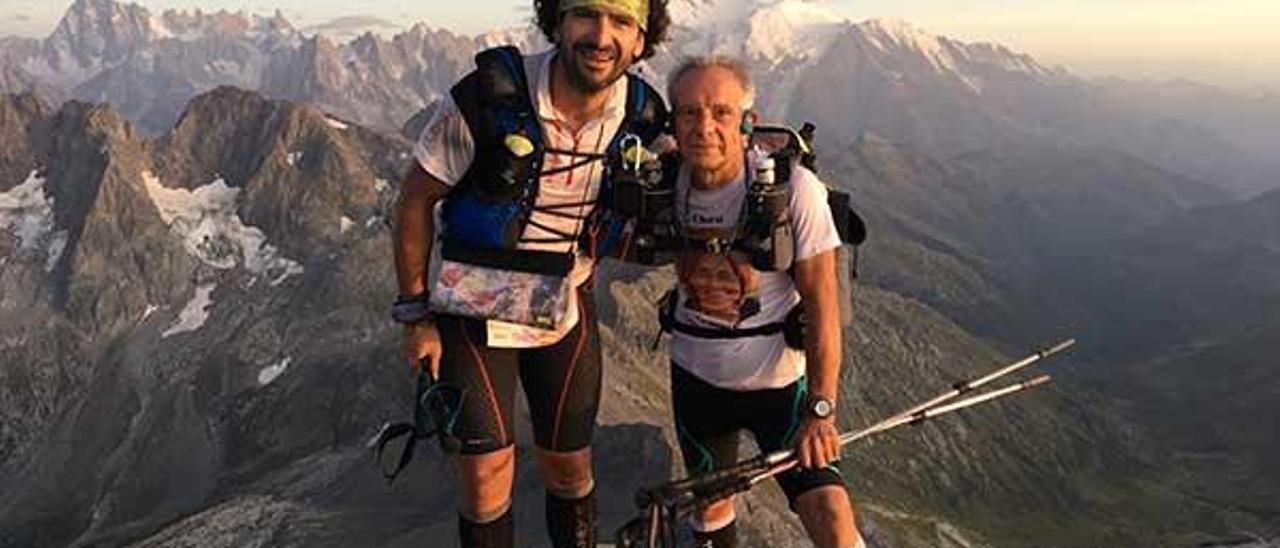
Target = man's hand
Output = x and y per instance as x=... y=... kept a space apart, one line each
x=423 y=341
x=818 y=442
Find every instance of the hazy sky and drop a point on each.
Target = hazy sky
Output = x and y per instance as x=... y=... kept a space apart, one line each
x=1232 y=42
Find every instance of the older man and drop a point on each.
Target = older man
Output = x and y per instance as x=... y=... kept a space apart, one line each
x=732 y=367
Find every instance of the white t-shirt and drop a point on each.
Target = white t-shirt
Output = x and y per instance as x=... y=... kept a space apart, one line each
x=718 y=290
x=445 y=149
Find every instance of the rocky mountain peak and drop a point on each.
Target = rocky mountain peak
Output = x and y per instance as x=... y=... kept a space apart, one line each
x=301 y=170
x=84 y=137
x=22 y=118
x=223 y=97
x=220 y=129
x=347 y=28
x=100 y=122
x=899 y=31
x=97 y=33
x=196 y=25
x=97 y=11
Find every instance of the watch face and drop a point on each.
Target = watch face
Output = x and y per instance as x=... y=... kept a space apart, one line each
x=822 y=408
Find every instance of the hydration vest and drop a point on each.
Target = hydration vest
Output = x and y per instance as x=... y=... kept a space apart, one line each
x=849 y=225
x=494 y=201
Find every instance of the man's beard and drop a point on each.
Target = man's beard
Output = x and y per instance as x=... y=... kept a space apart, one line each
x=586 y=80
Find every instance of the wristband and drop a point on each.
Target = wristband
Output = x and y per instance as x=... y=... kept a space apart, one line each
x=411 y=309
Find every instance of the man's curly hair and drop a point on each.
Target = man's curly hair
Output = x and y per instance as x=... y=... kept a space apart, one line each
x=547 y=13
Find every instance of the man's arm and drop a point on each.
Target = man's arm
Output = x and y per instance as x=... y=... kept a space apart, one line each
x=815 y=279
x=415 y=228
x=414 y=236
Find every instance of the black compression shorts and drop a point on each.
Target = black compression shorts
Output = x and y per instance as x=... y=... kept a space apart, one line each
x=561 y=384
x=708 y=419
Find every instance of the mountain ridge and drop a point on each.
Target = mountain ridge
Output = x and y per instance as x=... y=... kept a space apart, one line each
x=942 y=95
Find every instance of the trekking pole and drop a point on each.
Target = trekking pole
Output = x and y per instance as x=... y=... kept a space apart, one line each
x=666 y=507
x=901 y=419
x=671 y=501
x=769 y=460
x=968 y=385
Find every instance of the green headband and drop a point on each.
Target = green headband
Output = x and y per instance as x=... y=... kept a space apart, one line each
x=637 y=9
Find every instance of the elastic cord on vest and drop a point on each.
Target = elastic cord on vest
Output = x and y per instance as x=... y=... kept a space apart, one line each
x=792 y=327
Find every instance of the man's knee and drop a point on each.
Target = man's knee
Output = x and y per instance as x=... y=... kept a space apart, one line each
x=486 y=483
x=827 y=501
x=566 y=474
x=827 y=514
x=715 y=516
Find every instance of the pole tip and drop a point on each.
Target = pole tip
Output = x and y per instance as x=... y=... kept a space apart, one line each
x=1060 y=347
x=1038 y=381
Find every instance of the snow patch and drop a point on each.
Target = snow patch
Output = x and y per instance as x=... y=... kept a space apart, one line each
x=942 y=55
x=703 y=15
x=293 y=158
x=57 y=244
x=159 y=31
x=373 y=441
x=381 y=185
x=887 y=34
x=151 y=309
x=211 y=230
x=792 y=29
x=344 y=224
x=194 y=314
x=27 y=209
x=270 y=373
x=335 y=123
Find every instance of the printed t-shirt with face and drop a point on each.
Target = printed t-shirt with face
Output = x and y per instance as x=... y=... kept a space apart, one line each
x=722 y=290
x=446 y=148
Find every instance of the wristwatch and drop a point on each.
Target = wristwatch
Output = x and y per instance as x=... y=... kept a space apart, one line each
x=821 y=407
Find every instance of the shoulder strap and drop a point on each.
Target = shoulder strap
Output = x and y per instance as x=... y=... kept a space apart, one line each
x=498 y=82
x=646 y=114
x=495 y=102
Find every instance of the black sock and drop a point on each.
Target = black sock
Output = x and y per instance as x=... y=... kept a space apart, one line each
x=499 y=533
x=724 y=537
x=571 y=523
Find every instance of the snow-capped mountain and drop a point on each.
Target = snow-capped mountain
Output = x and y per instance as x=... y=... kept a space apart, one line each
x=150 y=65
x=940 y=95
x=772 y=33
x=98 y=35
x=883 y=77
